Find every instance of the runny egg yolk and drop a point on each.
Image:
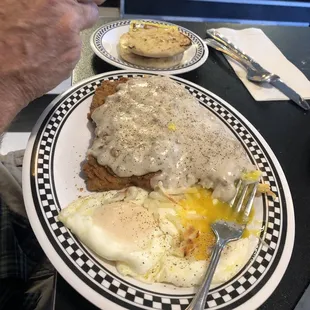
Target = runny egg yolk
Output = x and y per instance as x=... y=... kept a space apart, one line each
x=197 y=212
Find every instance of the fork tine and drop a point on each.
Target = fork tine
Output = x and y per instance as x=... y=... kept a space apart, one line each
x=244 y=189
x=237 y=192
x=249 y=203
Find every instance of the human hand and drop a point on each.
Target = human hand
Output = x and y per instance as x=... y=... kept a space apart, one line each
x=40 y=43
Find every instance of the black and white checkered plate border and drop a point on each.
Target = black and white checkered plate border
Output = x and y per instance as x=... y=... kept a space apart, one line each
x=74 y=259
x=97 y=39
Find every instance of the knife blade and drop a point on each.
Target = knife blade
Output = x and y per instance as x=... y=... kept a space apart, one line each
x=289 y=92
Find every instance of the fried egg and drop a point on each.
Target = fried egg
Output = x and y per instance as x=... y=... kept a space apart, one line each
x=118 y=228
x=157 y=237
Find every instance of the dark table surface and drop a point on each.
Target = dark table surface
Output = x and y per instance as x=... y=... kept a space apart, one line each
x=284 y=126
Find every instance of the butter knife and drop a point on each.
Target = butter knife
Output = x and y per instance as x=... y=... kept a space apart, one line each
x=256 y=72
x=290 y=93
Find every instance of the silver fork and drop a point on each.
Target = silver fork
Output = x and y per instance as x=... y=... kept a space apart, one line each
x=226 y=232
x=253 y=73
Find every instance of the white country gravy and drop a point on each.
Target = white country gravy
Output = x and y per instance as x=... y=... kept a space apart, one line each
x=153 y=124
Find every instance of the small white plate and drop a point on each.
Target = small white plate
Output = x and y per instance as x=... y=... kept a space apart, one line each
x=104 y=42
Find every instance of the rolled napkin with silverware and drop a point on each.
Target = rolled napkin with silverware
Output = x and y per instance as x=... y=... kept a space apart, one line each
x=259 y=47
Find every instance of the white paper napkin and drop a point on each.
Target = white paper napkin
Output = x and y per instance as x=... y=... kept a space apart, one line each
x=256 y=44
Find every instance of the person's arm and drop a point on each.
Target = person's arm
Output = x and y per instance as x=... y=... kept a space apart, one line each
x=11 y=102
x=40 y=45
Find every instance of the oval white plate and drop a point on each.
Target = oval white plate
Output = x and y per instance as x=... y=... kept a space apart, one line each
x=51 y=180
x=104 y=42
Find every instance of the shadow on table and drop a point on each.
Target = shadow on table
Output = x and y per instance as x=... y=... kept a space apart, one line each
x=27 y=118
x=68 y=298
x=100 y=66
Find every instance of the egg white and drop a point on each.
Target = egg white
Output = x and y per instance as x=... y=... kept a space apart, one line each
x=188 y=272
x=79 y=218
x=157 y=259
